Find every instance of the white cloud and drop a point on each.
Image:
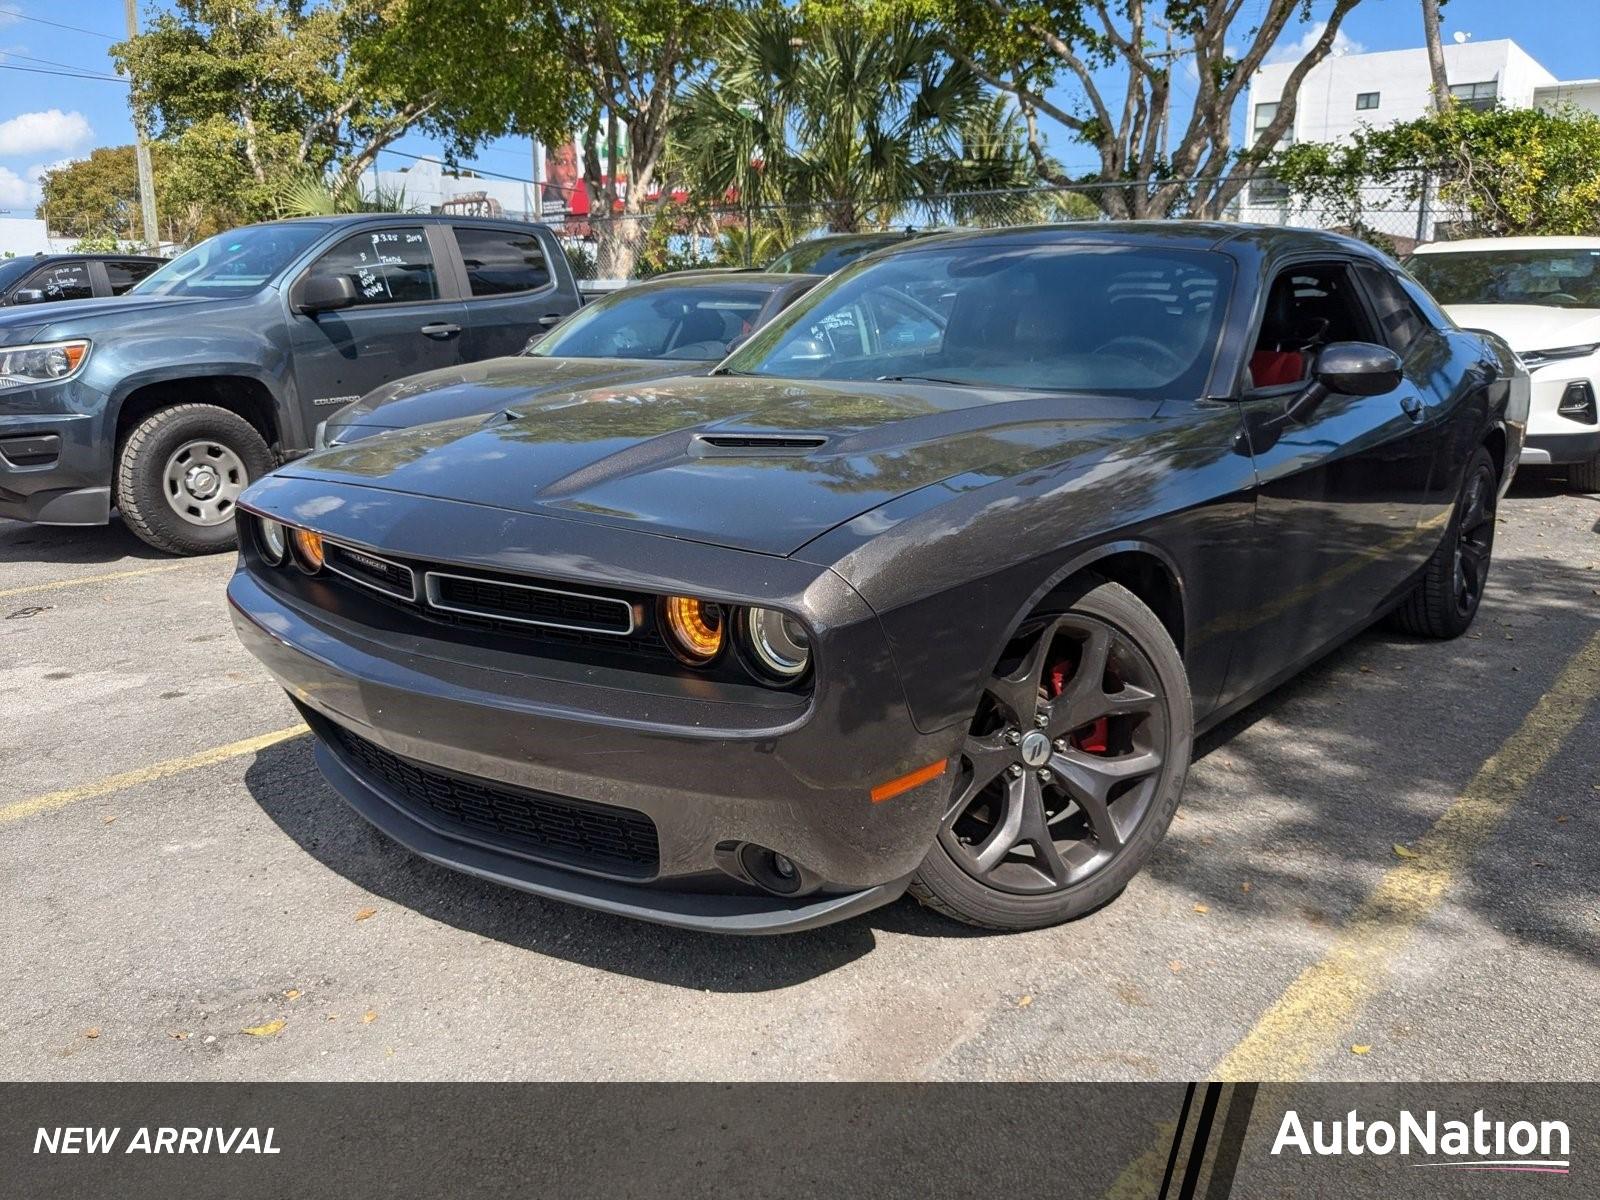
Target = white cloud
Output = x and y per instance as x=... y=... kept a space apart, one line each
x=32 y=133
x=9 y=16
x=15 y=192
x=1293 y=52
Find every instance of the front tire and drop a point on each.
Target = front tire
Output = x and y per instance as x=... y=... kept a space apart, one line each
x=1446 y=599
x=1043 y=831
x=179 y=475
x=1585 y=476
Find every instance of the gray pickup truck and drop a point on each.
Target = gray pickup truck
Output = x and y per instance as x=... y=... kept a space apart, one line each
x=167 y=401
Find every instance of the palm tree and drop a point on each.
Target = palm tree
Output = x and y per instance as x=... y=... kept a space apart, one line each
x=852 y=120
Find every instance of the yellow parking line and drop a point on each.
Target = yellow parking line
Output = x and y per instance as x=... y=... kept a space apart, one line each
x=1307 y=1021
x=103 y=578
x=160 y=770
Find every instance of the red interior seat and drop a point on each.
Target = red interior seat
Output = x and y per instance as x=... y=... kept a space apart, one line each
x=1272 y=368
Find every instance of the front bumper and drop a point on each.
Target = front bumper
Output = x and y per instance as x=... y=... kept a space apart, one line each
x=1554 y=438
x=54 y=469
x=791 y=775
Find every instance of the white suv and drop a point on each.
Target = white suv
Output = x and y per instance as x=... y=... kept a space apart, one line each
x=1542 y=295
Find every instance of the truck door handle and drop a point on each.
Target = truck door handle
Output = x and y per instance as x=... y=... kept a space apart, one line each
x=549 y=319
x=1413 y=407
x=441 y=329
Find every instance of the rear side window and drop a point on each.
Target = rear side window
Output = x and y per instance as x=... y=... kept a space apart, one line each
x=500 y=262
x=387 y=266
x=123 y=275
x=60 y=281
x=1402 y=324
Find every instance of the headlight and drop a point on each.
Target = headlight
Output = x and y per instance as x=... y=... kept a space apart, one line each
x=273 y=540
x=46 y=362
x=778 y=643
x=694 y=628
x=308 y=550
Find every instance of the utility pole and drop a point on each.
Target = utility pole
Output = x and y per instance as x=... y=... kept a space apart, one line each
x=147 y=179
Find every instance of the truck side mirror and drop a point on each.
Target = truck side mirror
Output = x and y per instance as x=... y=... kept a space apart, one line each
x=324 y=293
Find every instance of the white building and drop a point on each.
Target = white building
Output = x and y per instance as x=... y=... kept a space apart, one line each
x=23 y=236
x=1341 y=94
x=427 y=187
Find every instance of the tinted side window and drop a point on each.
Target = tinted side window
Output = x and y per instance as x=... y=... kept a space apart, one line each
x=123 y=275
x=500 y=262
x=60 y=281
x=387 y=266
x=1402 y=324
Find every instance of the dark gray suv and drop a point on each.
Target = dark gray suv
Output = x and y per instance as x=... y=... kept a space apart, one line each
x=167 y=401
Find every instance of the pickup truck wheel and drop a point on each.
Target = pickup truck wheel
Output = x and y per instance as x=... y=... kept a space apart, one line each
x=180 y=472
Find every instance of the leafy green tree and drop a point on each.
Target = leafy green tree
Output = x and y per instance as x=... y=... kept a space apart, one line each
x=1503 y=172
x=251 y=93
x=817 y=108
x=1055 y=58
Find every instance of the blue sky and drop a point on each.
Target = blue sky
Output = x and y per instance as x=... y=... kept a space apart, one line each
x=47 y=117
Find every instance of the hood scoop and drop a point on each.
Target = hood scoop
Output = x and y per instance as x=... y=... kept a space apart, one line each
x=747 y=445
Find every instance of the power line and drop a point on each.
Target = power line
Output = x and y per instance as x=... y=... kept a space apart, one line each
x=22 y=16
x=50 y=62
x=67 y=74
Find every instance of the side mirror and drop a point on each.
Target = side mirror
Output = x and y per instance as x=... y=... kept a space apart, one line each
x=28 y=296
x=1347 y=369
x=324 y=293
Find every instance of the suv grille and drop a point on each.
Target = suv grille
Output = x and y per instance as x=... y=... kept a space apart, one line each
x=616 y=841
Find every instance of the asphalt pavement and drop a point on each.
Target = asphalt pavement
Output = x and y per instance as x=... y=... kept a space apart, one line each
x=1384 y=871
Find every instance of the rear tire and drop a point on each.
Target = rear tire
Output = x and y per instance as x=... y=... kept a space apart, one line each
x=1028 y=840
x=1585 y=477
x=179 y=473
x=1446 y=599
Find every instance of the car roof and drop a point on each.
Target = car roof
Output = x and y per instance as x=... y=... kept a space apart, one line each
x=1469 y=245
x=1199 y=235
x=38 y=259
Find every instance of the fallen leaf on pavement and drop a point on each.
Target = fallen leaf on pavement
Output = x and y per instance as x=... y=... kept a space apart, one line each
x=92 y=1033
x=267 y=1030
x=1561 y=820
x=1024 y=1001
x=368 y=1017
x=109 y=819
x=1202 y=909
x=1174 y=966
x=363 y=913
x=1245 y=887
x=1359 y=1049
x=292 y=994
x=178 y=1035
x=1365 y=670
x=1404 y=851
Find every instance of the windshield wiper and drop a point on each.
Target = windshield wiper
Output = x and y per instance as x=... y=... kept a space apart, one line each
x=925 y=379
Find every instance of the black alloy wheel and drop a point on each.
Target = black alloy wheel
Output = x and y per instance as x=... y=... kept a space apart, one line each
x=1070 y=771
x=1447 y=596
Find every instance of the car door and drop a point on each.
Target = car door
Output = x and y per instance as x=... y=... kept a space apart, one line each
x=60 y=280
x=1340 y=495
x=511 y=287
x=407 y=317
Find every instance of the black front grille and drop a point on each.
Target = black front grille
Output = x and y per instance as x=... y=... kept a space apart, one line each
x=492 y=600
x=616 y=841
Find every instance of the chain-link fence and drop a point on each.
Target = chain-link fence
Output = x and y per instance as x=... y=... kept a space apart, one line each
x=673 y=235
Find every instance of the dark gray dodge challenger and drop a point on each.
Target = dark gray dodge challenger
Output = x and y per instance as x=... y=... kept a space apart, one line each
x=929 y=586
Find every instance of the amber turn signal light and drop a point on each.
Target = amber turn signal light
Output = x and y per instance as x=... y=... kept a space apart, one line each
x=922 y=775
x=308 y=550
x=694 y=628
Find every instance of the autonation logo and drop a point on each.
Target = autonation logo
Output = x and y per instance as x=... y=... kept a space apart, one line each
x=1480 y=1144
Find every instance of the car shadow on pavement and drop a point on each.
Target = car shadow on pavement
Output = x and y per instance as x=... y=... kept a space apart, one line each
x=285 y=782
x=20 y=542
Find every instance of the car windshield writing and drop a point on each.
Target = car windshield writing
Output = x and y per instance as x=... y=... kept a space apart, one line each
x=232 y=264
x=1557 y=278
x=1056 y=318
x=695 y=323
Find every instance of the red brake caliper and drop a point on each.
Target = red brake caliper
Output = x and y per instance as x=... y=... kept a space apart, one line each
x=1092 y=738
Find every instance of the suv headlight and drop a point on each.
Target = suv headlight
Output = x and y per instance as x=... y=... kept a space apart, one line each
x=46 y=362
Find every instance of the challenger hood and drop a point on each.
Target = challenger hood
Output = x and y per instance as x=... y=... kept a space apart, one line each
x=491 y=385
x=1531 y=326
x=754 y=464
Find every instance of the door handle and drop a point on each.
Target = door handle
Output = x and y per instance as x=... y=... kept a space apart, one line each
x=1413 y=407
x=441 y=329
x=548 y=320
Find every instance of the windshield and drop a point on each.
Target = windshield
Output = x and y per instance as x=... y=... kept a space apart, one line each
x=1556 y=278
x=13 y=269
x=824 y=256
x=236 y=263
x=1064 y=317
x=695 y=323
